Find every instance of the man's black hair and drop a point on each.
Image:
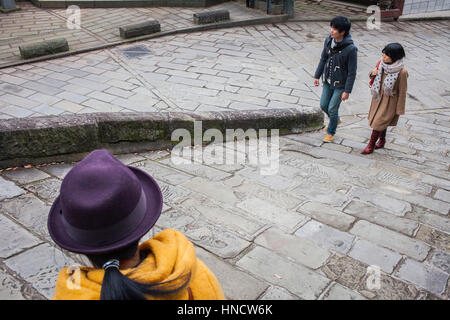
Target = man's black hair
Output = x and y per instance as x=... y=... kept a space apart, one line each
x=394 y=50
x=342 y=24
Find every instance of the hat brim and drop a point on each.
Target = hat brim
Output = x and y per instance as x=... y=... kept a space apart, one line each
x=154 y=208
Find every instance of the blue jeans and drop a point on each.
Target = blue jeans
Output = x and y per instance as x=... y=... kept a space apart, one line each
x=329 y=103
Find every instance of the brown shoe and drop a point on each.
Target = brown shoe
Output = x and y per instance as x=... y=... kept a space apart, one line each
x=328 y=138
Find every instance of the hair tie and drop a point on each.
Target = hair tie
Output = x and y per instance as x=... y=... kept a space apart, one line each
x=113 y=263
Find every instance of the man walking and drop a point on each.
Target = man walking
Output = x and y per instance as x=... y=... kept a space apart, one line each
x=337 y=68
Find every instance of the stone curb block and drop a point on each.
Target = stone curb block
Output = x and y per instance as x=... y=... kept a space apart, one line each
x=140 y=29
x=42 y=48
x=211 y=16
x=58 y=138
x=9 y=9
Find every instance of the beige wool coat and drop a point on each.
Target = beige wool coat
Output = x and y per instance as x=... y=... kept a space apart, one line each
x=386 y=110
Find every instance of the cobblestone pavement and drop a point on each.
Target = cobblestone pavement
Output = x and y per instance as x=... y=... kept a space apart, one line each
x=98 y=26
x=315 y=230
x=266 y=66
x=326 y=9
x=101 y=25
x=309 y=232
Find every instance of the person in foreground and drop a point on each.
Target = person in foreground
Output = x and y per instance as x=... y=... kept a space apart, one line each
x=104 y=208
x=337 y=67
x=388 y=89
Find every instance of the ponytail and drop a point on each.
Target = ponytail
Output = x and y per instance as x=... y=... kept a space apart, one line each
x=117 y=286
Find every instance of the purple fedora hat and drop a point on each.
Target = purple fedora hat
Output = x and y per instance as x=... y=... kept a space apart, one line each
x=103 y=205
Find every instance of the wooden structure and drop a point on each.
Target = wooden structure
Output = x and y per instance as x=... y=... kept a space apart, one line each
x=395 y=10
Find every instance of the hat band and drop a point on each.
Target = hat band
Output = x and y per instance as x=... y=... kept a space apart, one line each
x=112 y=233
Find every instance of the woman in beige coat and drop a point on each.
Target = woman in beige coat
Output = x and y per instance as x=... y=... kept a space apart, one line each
x=388 y=95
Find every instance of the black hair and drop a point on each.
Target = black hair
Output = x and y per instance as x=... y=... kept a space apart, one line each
x=395 y=51
x=342 y=24
x=117 y=286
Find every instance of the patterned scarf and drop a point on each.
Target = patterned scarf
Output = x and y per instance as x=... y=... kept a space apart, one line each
x=333 y=43
x=392 y=71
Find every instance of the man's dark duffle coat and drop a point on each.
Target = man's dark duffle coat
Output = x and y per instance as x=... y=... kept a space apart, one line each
x=339 y=63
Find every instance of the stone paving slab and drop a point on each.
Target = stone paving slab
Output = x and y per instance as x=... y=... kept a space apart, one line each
x=9 y=189
x=411 y=247
x=376 y=215
x=15 y=288
x=14 y=238
x=30 y=212
x=325 y=214
x=339 y=292
x=40 y=266
x=11 y=288
x=326 y=236
x=295 y=248
x=431 y=279
x=277 y=293
x=371 y=254
x=282 y=272
x=236 y=283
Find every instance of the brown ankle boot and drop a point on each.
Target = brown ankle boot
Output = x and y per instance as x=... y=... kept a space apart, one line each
x=371 y=144
x=381 y=140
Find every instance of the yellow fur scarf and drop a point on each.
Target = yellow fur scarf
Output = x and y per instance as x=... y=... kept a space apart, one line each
x=170 y=255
